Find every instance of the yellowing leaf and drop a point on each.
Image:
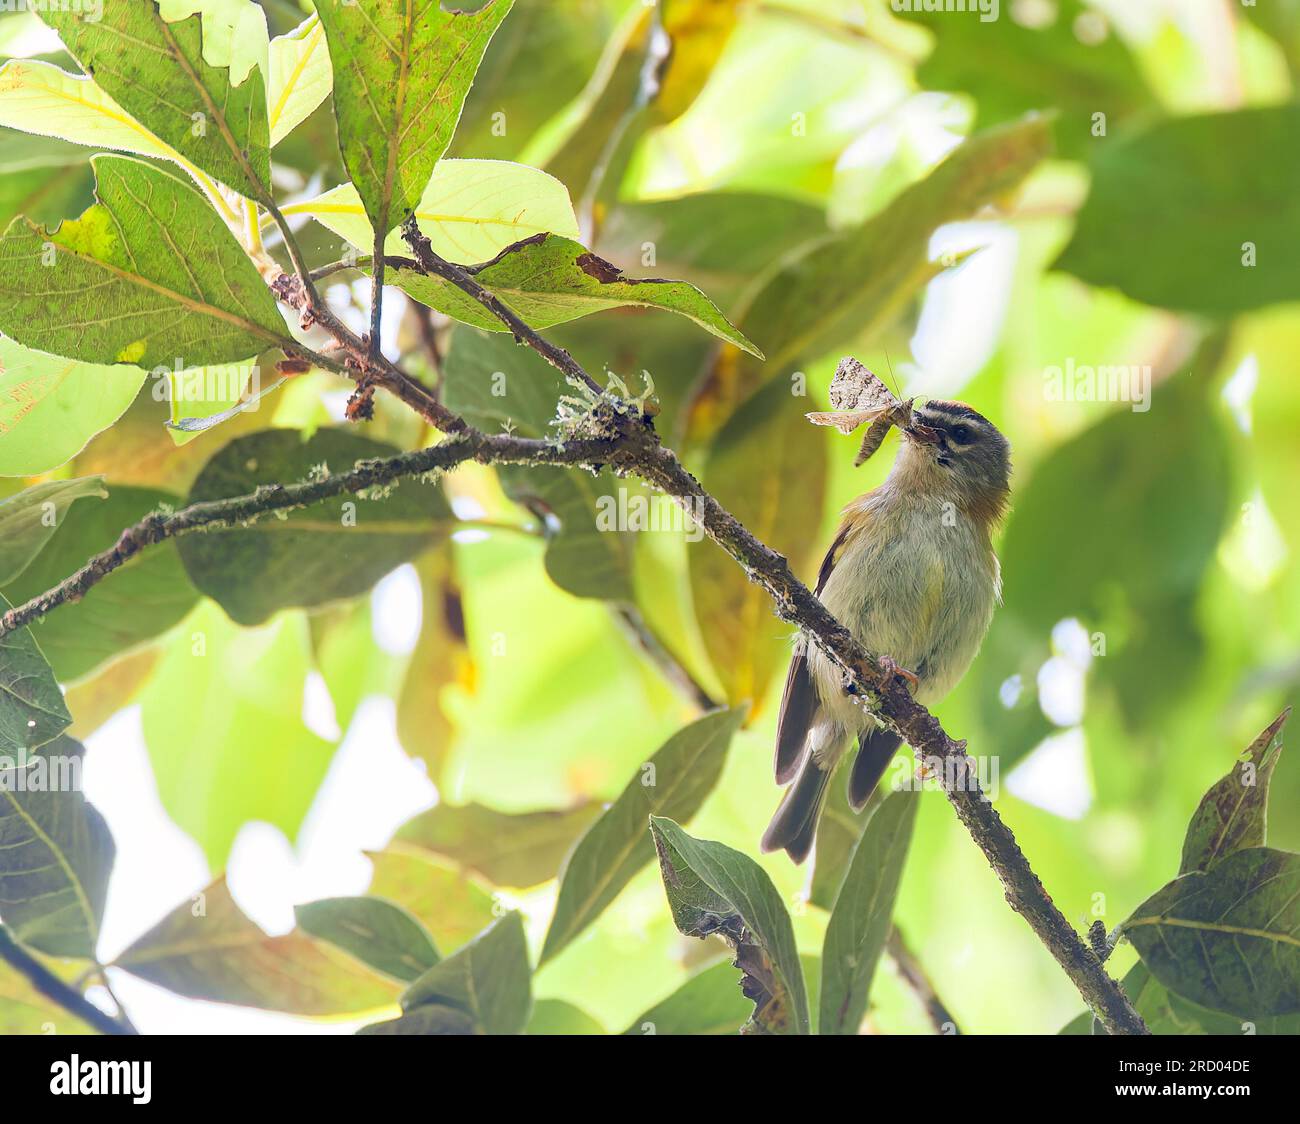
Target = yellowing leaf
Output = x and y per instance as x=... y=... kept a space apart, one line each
x=470 y=211
x=50 y=407
x=299 y=77
x=37 y=97
x=208 y=949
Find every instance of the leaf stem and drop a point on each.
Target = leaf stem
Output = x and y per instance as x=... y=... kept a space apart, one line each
x=55 y=989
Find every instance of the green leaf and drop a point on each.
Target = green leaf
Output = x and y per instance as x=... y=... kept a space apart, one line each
x=714 y=890
x=425 y=1020
x=30 y=518
x=838 y=833
x=556 y=1016
x=710 y=1002
x=400 y=80
x=538 y=62
x=674 y=782
x=488 y=980
x=196 y=83
x=1227 y=938
x=450 y=905
x=494 y=384
x=144 y=598
x=152 y=250
x=1011 y=66
x=508 y=849
x=206 y=948
x=1167 y=500
x=226 y=742
x=51 y=407
x=547 y=280
x=56 y=852
x=375 y=931
x=299 y=77
x=39 y=177
x=1233 y=815
x=1175 y=210
x=859 y=924
x=470 y=210
x=721 y=240
x=782 y=505
x=327 y=552
x=32 y=711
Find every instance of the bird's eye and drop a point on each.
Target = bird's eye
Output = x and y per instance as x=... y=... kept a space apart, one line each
x=961 y=434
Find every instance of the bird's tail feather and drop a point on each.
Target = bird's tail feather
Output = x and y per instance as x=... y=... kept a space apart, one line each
x=794 y=827
x=876 y=749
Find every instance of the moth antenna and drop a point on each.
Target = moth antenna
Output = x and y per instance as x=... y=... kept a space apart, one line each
x=898 y=390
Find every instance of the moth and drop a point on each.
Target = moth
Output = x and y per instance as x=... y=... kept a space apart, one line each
x=858 y=396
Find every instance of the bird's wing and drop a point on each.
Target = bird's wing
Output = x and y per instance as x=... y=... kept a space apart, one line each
x=799 y=703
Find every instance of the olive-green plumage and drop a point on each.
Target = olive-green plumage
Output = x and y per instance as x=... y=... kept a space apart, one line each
x=913 y=576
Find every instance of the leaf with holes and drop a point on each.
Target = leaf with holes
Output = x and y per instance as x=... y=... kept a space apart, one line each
x=716 y=891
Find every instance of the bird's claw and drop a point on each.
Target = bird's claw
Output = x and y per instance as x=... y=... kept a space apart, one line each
x=891 y=668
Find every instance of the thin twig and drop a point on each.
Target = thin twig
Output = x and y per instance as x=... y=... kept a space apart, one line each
x=429 y=262
x=157 y=527
x=673 y=669
x=55 y=989
x=914 y=976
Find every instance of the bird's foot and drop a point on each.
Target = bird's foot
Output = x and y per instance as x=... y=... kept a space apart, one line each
x=891 y=668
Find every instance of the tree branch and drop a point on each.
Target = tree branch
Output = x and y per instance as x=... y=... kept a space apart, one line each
x=55 y=989
x=914 y=975
x=157 y=527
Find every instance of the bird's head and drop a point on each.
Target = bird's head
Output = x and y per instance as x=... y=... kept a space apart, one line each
x=957 y=454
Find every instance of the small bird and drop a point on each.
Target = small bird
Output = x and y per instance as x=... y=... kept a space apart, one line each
x=912 y=574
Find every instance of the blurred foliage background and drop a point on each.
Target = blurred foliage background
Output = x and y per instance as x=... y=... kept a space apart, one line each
x=792 y=164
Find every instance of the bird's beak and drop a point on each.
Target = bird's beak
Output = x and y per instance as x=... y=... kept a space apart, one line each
x=922 y=434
